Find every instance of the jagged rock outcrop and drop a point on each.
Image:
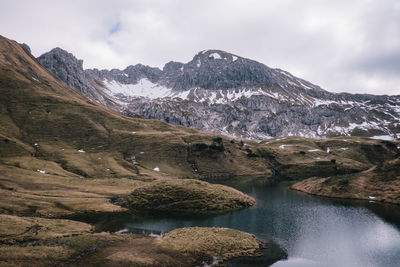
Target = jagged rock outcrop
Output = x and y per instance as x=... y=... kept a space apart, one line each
x=223 y=93
x=70 y=70
x=66 y=67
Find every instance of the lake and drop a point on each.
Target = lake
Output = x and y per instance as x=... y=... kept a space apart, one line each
x=314 y=231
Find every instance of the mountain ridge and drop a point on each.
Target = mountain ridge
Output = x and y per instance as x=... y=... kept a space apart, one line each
x=223 y=93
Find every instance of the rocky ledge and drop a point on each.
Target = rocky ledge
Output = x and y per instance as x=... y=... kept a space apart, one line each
x=186 y=196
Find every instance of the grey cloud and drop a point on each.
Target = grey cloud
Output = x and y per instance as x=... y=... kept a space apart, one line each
x=340 y=45
x=384 y=63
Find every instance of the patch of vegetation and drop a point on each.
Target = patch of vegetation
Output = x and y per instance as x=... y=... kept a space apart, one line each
x=200 y=146
x=224 y=243
x=217 y=140
x=250 y=153
x=186 y=196
x=217 y=147
x=343 y=182
x=241 y=143
x=217 y=144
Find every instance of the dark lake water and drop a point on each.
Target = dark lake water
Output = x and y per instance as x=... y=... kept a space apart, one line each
x=314 y=231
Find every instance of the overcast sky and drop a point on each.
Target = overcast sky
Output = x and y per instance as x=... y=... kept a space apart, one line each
x=341 y=45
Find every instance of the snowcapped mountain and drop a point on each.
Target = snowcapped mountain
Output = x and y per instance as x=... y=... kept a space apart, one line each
x=223 y=93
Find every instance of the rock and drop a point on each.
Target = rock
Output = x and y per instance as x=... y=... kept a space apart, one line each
x=69 y=69
x=26 y=47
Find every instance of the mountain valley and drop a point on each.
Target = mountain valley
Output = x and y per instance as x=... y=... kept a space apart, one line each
x=87 y=142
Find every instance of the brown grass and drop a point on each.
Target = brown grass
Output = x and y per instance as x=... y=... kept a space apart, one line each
x=224 y=243
x=382 y=183
x=186 y=196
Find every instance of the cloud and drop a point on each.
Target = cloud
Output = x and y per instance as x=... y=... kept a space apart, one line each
x=340 y=45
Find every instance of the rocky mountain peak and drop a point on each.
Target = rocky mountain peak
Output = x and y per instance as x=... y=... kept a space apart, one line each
x=217 y=69
x=220 y=92
x=60 y=55
x=67 y=67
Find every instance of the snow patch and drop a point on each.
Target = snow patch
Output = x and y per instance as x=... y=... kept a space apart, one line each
x=303 y=85
x=122 y=231
x=215 y=56
x=286 y=74
x=215 y=262
x=144 y=88
x=157 y=169
x=234 y=58
x=41 y=171
x=283 y=146
x=314 y=150
x=383 y=137
x=81 y=151
x=151 y=234
x=320 y=102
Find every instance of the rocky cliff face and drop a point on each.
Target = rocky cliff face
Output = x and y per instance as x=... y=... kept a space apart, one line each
x=69 y=69
x=223 y=93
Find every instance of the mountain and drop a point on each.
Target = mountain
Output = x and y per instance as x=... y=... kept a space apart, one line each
x=222 y=93
x=63 y=154
x=46 y=125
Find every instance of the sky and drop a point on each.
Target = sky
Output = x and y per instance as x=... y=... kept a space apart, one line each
x=342 y=45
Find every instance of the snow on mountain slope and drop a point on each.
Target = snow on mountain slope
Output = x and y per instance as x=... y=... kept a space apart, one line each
x=144 y=88
x=223 y=93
